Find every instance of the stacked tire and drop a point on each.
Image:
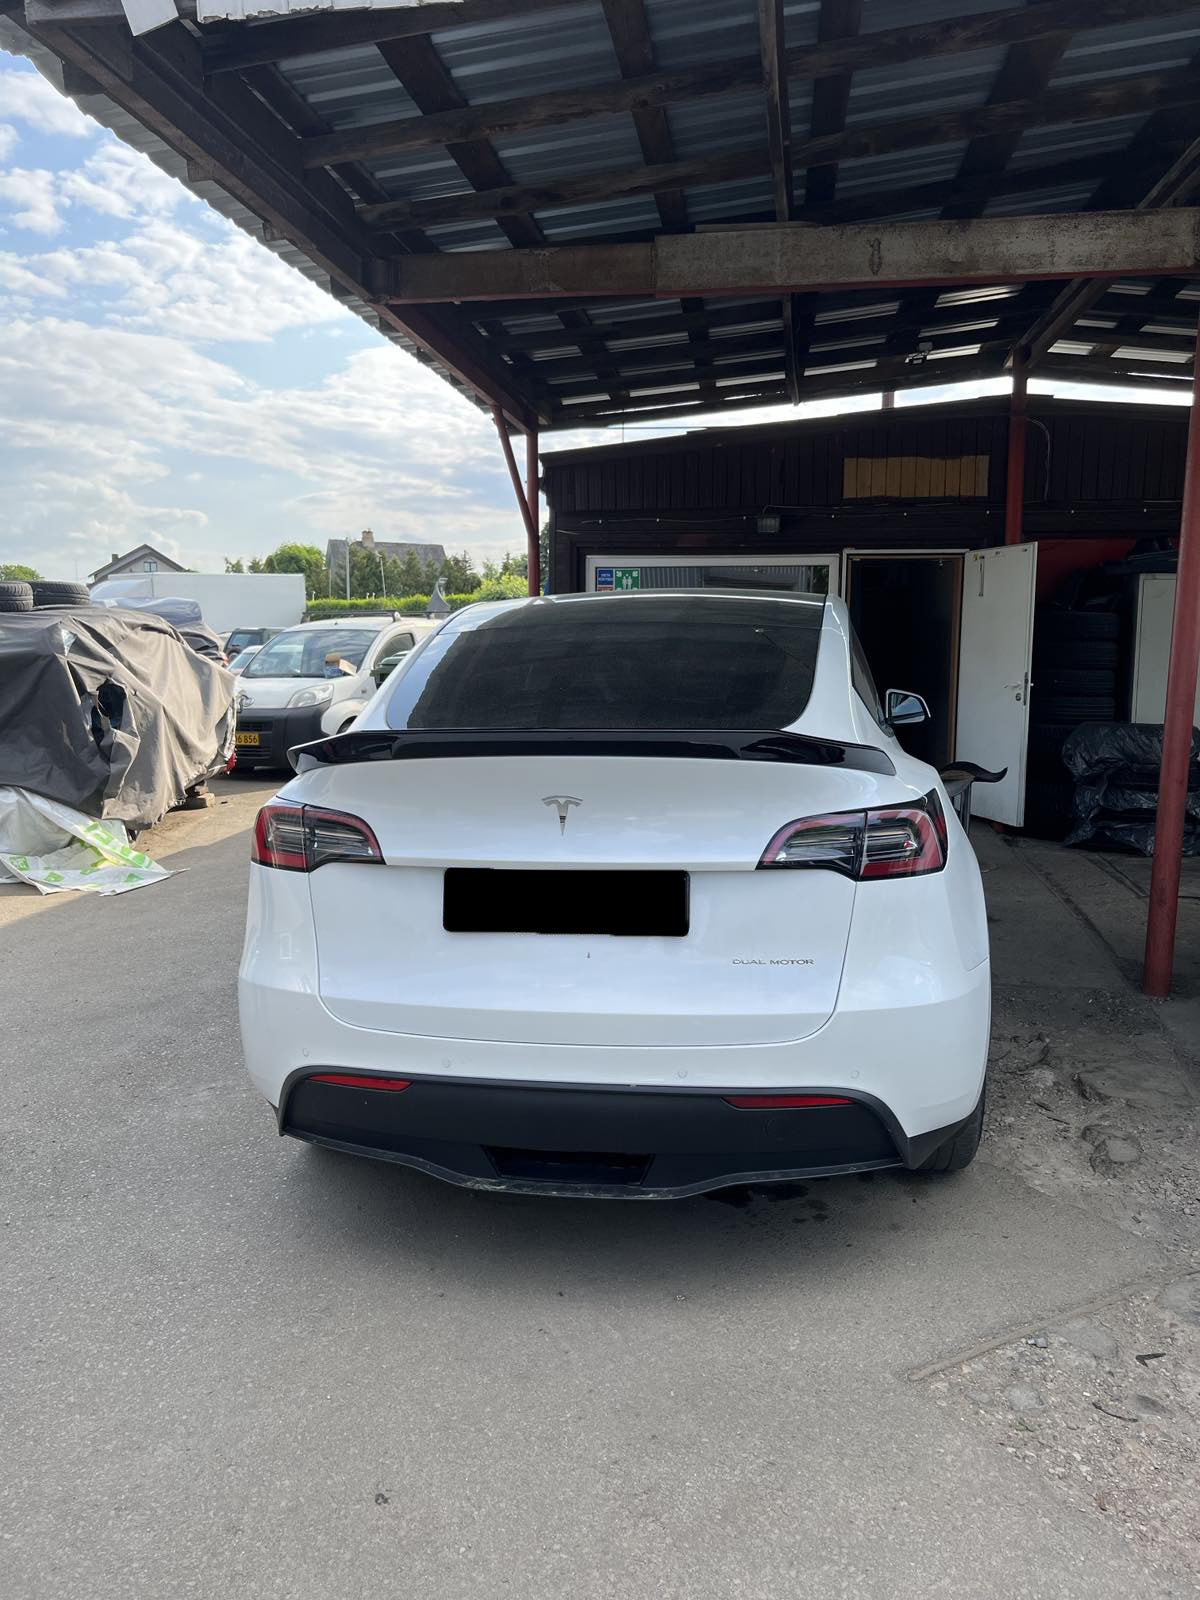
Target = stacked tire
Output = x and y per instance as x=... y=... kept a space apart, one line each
x=1077 y=677
x=50 y=592
x=16 y=597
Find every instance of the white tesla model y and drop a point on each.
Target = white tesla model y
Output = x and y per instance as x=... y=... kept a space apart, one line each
x=631 y=895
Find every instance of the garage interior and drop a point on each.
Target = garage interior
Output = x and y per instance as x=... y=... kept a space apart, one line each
x=885 y=508
x=640 y=211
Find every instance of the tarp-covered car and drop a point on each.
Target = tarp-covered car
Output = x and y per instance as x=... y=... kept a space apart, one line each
x=109 y=711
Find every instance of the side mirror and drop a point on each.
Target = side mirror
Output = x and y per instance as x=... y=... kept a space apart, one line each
x=388 y=665
x=900 y=707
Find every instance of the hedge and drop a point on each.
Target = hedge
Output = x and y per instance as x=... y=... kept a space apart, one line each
x=413 y=605
x=408 y=605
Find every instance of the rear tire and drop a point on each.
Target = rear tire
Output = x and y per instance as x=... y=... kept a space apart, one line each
x=959 y=1149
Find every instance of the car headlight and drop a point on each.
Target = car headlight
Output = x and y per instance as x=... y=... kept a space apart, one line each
x=319 y=696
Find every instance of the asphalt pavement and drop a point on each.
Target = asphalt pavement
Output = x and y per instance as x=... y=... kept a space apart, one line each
x=239 y=1366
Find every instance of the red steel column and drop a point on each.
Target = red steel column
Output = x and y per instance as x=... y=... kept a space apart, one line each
x=1014 y=493
x=531 y=496
x=1177 y=724
x=528 y=516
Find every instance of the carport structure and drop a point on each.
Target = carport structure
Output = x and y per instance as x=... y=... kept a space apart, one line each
x=644 y=210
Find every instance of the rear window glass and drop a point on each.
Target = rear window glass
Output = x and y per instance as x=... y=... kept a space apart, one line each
x=625 y=662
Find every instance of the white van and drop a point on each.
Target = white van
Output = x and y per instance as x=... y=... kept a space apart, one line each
x=314 y=679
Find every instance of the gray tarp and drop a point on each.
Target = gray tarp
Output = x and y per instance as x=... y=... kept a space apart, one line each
x=109 y=711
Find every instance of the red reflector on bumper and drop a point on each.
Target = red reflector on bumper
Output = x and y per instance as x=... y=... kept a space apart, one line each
x=351 y=1080
x=783 y=1102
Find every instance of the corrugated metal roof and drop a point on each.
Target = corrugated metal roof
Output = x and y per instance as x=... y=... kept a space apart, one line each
x=570 y=47
x=566 y=48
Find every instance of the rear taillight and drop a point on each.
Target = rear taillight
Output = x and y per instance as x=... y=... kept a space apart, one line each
x=361 y=1080
x=888 y=842
x=303 y=838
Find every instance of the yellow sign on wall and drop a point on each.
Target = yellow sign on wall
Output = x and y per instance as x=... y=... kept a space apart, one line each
x=915 y=477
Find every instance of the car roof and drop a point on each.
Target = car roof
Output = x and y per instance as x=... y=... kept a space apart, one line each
x=375 y=623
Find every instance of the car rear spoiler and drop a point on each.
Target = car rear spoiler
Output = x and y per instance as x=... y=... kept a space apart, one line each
x=384 y=744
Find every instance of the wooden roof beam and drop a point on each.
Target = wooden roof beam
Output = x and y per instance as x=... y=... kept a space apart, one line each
x=794 y=257
x=424 y=77
x=1109 y=97
x=1180 y=181
x=885 y=47
x=629 y=30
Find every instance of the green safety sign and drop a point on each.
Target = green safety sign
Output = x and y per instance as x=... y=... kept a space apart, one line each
x=627 y=578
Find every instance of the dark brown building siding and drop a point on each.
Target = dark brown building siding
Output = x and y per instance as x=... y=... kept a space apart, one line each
x=1092 y=470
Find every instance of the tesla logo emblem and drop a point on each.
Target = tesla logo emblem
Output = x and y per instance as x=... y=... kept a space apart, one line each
x=562 y=803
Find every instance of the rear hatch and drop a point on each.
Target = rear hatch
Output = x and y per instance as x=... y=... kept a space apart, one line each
x=672 y=937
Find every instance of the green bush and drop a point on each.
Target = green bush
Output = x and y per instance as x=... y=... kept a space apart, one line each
x=409 y=605
x=509 y=587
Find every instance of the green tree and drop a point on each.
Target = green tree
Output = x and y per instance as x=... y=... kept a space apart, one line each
x=234 y=566
x=257 y=565
x=366 y=579
x=459 y=575
x=15 y=572
x=411 y=575
x=303 y=558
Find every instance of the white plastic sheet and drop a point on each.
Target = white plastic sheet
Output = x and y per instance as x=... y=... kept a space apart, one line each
x=55 y=848
x=240 y=10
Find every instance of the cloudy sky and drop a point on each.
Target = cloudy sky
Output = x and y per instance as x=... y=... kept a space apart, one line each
x=164 y=377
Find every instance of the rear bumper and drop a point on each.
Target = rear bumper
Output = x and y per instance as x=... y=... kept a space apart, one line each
x=594 y=1142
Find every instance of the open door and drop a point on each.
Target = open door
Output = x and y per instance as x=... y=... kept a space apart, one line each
x=995 y=657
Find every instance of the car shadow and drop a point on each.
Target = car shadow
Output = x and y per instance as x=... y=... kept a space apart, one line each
x=519 y=1244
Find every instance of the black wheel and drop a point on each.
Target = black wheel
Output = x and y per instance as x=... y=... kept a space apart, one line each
x=50 y=592
x=1077 y=709
x=959 y=1149
x=1102 y=654
x=1046 y=740
x=1076 y=680
x=1062 y=625
x=1049 y=807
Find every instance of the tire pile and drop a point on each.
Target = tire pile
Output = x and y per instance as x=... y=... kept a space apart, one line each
x=1076 y=679
x=1116 y=771
x=42 y=594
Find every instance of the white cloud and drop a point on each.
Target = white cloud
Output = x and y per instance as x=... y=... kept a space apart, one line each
x=8 y=140
x=30 y=196
x=25 y=96
x=176 y=280
x=122 y=182
x=157 y=430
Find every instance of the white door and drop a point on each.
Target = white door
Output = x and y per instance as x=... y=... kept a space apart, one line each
x=995 y=660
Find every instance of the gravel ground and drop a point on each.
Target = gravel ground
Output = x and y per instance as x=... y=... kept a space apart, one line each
x=1108 y=1406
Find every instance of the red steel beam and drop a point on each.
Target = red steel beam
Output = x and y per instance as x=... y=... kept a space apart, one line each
x=528 y=515
x=1177 y=724
x=1014 y=493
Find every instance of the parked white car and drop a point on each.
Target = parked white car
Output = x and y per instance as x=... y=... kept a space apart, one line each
x=239 y=662
x=314 y=679
x=627 y=895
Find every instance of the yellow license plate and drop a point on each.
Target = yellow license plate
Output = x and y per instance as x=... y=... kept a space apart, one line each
x=245 y=738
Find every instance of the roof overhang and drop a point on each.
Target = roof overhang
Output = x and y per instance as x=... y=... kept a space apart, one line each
x=587 y=211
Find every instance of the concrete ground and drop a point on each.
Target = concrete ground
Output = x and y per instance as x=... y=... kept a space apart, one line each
x=241 y=1366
